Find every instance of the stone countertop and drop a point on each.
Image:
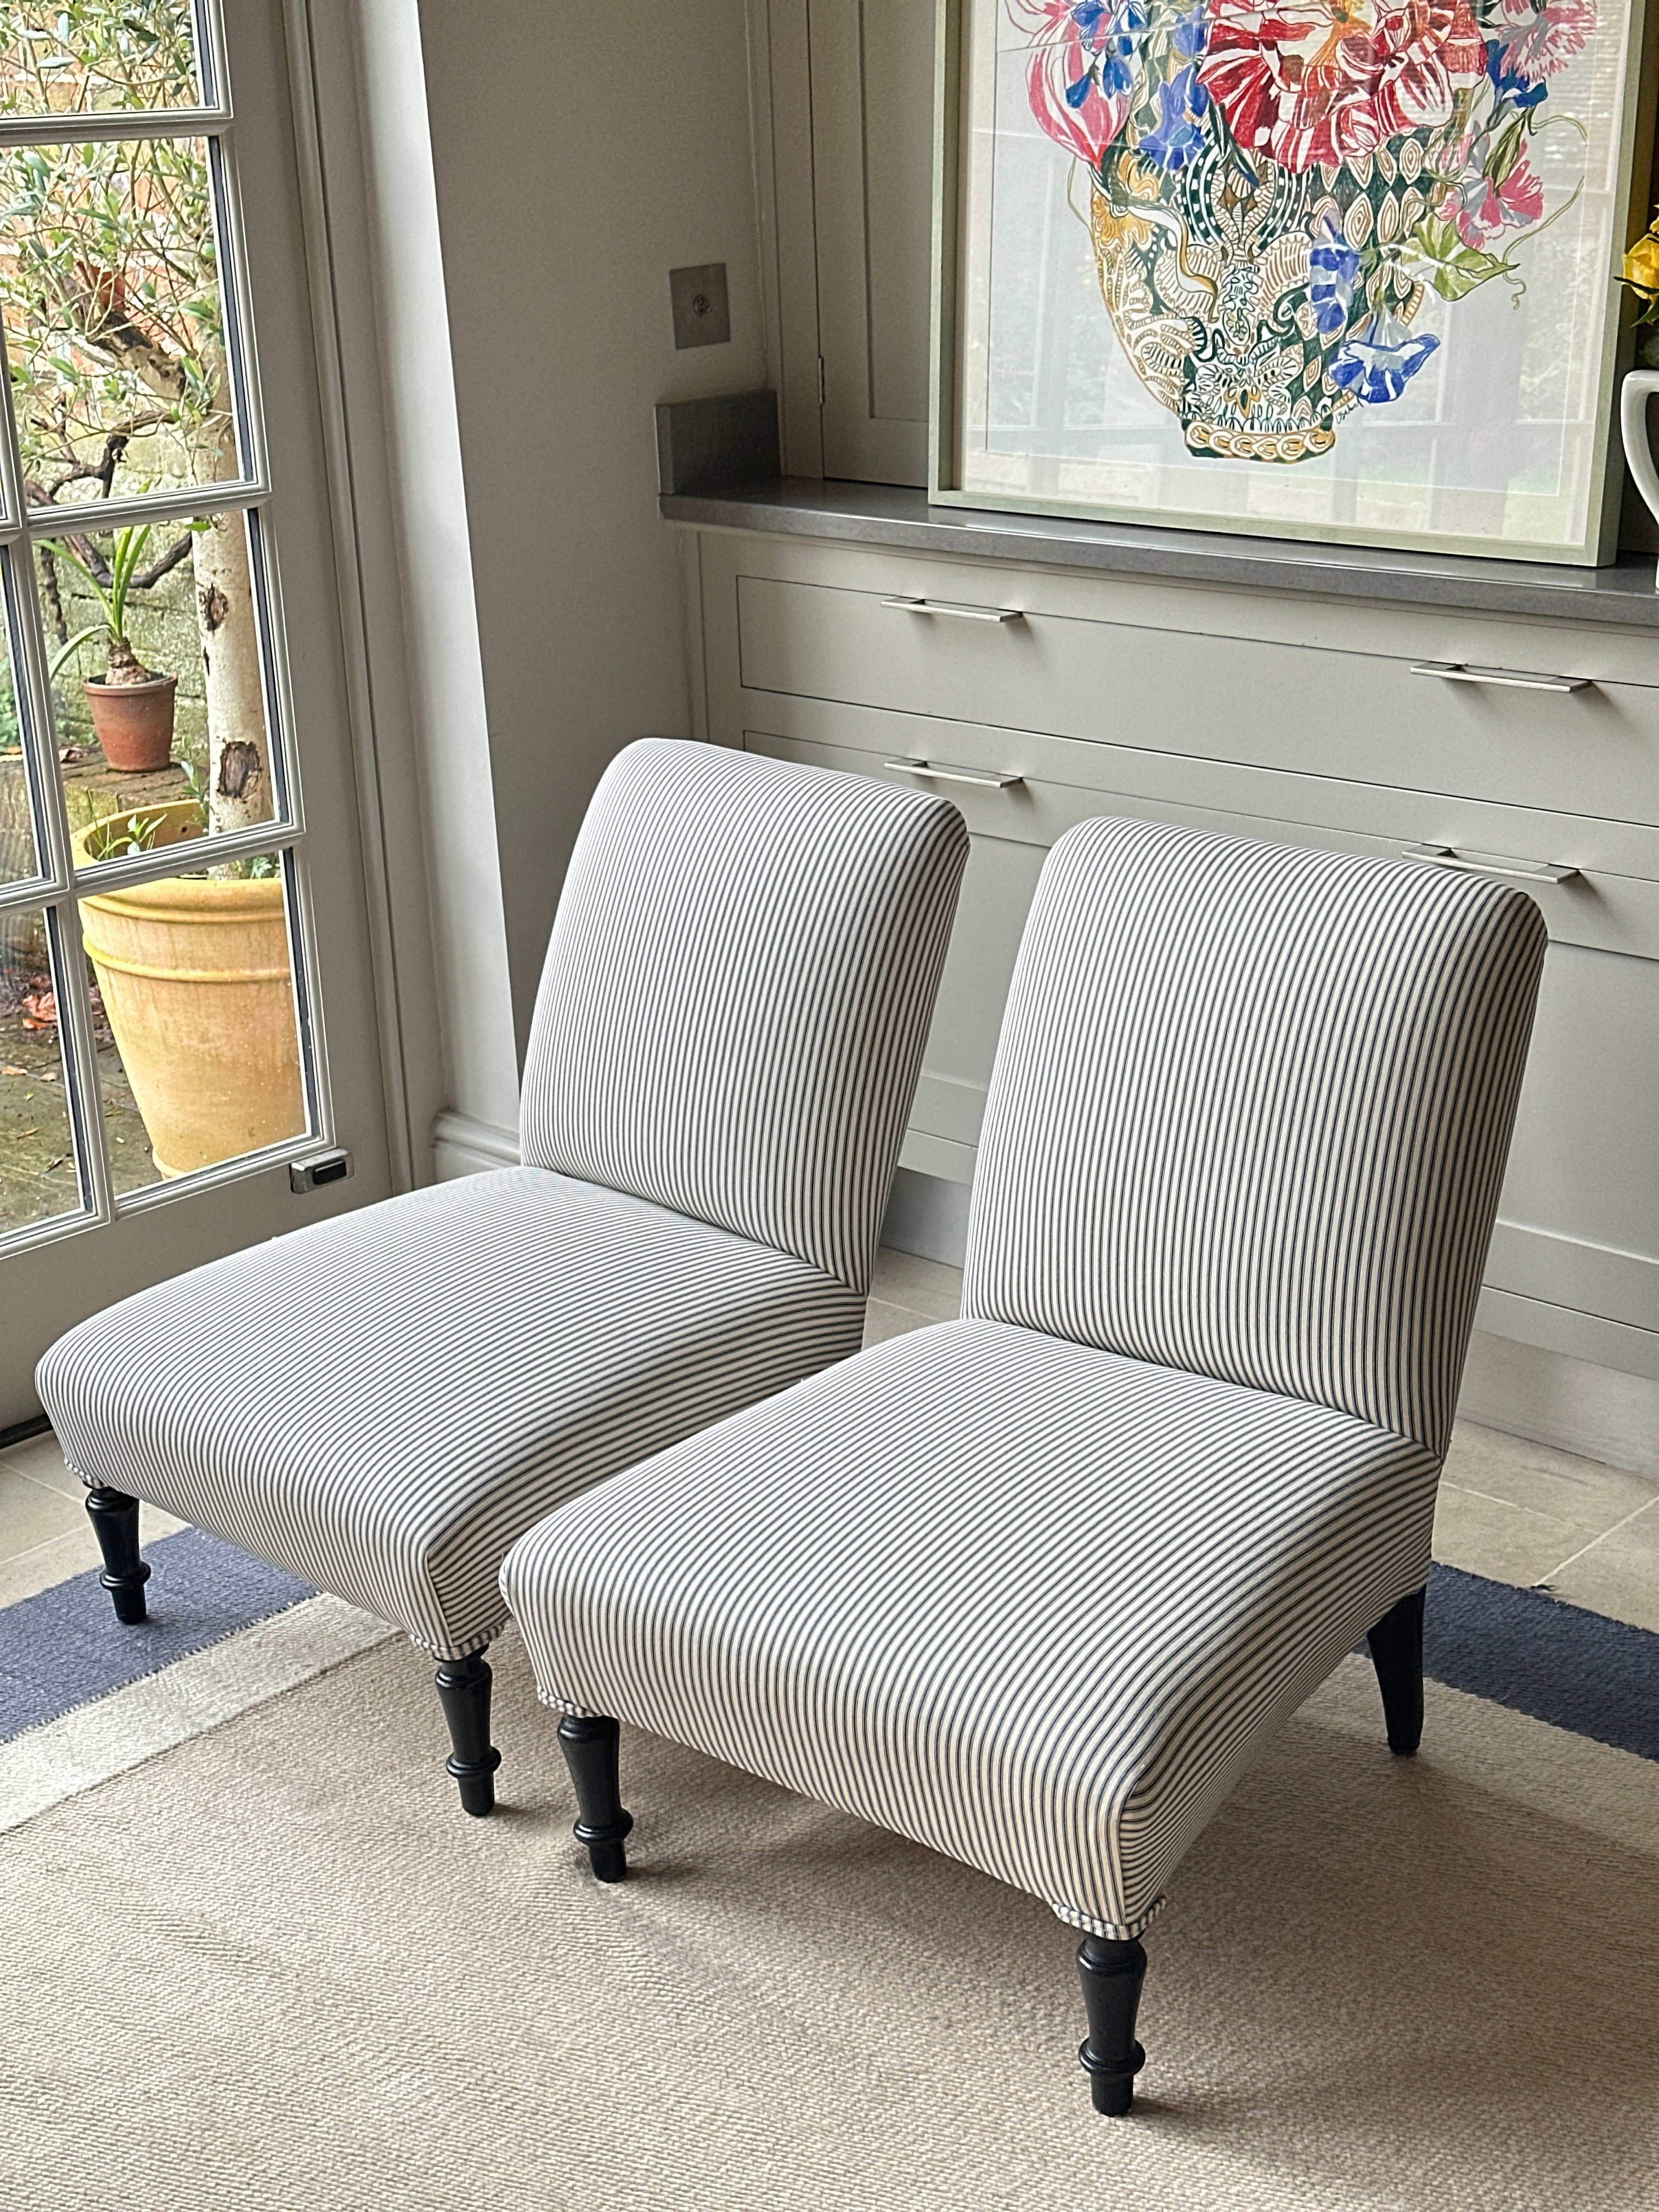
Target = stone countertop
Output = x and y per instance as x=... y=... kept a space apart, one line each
x=894 y=515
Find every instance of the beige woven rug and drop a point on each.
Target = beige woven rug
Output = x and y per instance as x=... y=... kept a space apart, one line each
x=274 y=1968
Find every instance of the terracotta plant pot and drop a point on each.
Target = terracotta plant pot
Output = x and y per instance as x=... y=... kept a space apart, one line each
x=197 y=982
x=133 y=722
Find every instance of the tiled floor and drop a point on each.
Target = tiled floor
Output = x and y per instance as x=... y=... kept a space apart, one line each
x=1516 y=1511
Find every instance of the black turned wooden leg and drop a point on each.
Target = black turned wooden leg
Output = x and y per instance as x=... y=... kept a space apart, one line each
x=464 y=1693
x=1111 y=1974
x=591 y=1749
x=115 y=1523
x=1396 y=1645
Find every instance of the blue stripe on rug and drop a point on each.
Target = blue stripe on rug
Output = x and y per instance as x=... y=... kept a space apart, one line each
x=64 y=1647
x=1523 y=1648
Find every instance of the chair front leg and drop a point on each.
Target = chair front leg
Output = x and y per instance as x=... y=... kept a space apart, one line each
x=464 y=1693
x=1396 y=1645
x=114 y=1517
x=592 y=1750
x=1111 y=1974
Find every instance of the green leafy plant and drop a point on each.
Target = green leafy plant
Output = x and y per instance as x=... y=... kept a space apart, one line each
x=114 y=840
x=111 y=578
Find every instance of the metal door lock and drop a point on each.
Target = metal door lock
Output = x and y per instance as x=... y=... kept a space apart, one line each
x=320 y=1170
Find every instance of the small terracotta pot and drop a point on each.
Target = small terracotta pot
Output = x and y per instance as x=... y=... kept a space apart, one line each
x=133 y=722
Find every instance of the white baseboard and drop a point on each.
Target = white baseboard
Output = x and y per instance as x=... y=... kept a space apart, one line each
x=462 y=1146
x=1528 y=1390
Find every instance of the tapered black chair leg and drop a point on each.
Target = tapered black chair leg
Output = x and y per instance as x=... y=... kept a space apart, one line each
x=591 y=1749
x=1396 y=1643
x=464 y=1693
x=1111 y=1974
x=115 y=1523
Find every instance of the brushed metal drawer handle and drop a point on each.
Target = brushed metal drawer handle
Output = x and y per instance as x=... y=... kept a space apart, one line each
x=952 y=607
x=1455 y=672
x=1524 y=872
x=992 y=779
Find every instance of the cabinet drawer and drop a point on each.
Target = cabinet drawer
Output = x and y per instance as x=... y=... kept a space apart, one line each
x=1610 y=903
x=1302 y=708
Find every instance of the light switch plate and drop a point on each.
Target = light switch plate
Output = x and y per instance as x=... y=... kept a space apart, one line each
x=702 y=315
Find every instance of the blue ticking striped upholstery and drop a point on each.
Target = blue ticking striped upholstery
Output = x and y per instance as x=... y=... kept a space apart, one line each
x=382 y=1403
x=1274 y=1090
x=1033 y=1587
x=770 y=1096
x=1023 y=1601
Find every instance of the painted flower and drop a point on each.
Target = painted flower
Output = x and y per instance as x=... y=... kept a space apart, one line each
x=1084 y=67
x=1482 y=208
x=1190 y=34
x=1313 y=81
x=1177 y=137
x=1507 y=81
x=1380 y=360
x=1333 y=265
x=1547 y=39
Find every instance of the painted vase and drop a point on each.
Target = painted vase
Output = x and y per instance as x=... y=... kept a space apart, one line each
x=1233 y=291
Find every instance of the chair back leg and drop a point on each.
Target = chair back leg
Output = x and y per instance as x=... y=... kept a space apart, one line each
x=114 y=1517
x=1396 y=1646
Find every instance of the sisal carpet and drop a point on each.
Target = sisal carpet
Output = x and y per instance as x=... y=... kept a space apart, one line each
x=274 y=1970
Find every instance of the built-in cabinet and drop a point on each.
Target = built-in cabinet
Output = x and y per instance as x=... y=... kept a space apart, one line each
x=1036 y=698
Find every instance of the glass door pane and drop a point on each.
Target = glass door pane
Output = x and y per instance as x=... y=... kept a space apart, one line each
x=162 y=896
x=64 y=56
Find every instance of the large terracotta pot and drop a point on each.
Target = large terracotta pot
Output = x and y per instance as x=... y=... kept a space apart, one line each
x=133 y=722
x=197 y=986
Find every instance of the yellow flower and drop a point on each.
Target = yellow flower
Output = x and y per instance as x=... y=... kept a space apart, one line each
x=1642 y=263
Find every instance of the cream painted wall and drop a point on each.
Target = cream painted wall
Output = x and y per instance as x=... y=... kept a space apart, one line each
x=580 y=153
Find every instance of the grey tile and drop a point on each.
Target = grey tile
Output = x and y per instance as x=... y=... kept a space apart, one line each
x=882 y=1321
x=42 y=1462
x=31 y=1513
x=1580 y=1493
x=1619 y=1574
x=1506 y=1543
x=925 y=1287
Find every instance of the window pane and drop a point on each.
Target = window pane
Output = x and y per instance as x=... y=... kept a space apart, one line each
x=194 y=979
x=110 y=294
x=58 y=56
x=38 y=1176
x=162 y=736
x=17 y=848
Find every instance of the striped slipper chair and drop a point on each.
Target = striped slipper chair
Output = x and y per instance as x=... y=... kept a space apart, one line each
x=1033 y=1587
x=730 y=1024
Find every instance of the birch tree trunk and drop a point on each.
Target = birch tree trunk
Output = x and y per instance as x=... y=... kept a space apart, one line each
x=238 y=791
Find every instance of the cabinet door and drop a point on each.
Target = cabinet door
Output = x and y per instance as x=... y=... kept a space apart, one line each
x=872 y=150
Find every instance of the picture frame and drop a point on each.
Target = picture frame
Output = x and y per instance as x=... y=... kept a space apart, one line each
x=1391 y=319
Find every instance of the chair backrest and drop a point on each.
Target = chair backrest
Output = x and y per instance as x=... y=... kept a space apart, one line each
x=737 y=990
x=1250 y=1111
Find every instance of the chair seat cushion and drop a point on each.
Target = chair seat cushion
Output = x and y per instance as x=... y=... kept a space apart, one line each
x=1028 y=1602
x=380 y=1403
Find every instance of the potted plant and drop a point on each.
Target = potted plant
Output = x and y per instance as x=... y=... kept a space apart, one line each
x=132 y=706
x=197 y=986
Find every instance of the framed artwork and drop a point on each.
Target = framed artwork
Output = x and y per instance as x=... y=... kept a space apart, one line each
x=1325 y=268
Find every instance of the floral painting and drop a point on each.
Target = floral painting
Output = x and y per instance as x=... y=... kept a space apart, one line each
x=1289 y=209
